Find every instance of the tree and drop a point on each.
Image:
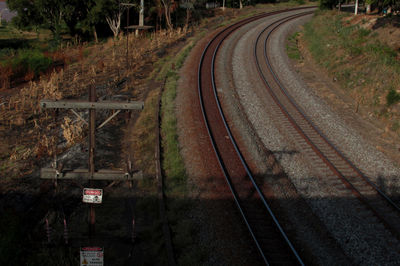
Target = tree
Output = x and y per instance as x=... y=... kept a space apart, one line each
x=112 y=11
x=327 y=4
x=76 y=14
x=27 y=13
x=48 y=12
x=157 y=11
x=114 y=21
x=52 y=12
x=188 y=5
x=167 y=11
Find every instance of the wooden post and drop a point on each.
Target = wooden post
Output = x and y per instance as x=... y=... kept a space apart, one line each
x=127 y=41
x=141 y=13
x=90 y=174
x=92 y=143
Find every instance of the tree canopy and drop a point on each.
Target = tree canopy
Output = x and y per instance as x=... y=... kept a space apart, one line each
x=86 y=17
x=78 y=16
x=380 y=5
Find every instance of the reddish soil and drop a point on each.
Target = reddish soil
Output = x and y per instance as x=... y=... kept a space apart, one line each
x=216 y=202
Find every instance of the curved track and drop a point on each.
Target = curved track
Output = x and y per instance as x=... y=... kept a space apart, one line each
x=316 y=145
x=270 y=238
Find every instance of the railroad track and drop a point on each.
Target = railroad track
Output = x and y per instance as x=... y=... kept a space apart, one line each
x=340 y=172
x=268 y=235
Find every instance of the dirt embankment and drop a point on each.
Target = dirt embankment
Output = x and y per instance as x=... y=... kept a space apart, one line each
x=355 y=67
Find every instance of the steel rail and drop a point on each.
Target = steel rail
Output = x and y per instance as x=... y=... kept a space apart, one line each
x=222 y=35
x=312 y=124
x=314 y=146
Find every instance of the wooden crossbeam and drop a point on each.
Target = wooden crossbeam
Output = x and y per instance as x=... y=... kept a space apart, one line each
x=74 y=104
x=91 y=173
x=102 y=174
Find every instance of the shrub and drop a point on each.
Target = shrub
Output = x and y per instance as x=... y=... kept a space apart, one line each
x=34 y=60
x=392 y=97
x=29 y=61
x=327 y=4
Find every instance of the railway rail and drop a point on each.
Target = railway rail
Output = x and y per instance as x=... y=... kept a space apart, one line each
x=271 y=240
x=340 y=172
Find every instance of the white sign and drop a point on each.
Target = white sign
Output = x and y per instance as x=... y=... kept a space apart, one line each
x=92 y=195
x=92 y=256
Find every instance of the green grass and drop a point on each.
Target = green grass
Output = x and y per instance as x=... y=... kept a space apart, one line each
x=31 y=60
x=173 y=163
x=335 y=46
x=292 y=48
x=23 y=51
x=9 y=32
x=178 y=204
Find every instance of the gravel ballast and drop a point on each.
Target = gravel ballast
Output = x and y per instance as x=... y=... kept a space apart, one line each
x=362 y=240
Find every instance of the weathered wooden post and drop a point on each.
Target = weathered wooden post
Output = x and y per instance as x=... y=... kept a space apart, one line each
x=91 y=173
x=141 y=13
x=127 y=6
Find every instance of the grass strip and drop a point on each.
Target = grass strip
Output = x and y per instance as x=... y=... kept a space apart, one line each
x=182 y=226
x=292 y=49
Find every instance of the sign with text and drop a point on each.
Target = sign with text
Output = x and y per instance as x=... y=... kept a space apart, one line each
x=92 y=256
x=92 y=195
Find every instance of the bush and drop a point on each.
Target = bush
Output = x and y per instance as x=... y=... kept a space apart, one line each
x=30 y=61
x=327 y=4
x=392 y=97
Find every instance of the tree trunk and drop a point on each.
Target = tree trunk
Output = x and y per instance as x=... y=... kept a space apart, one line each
x=167 y=11
x=187 y=17
x=168 y=18
x=114 y=24
x=356 y=8
x=96 y=40
x=240 y=4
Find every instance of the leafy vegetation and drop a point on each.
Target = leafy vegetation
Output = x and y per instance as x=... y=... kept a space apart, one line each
x=183 y=229
x=351 y=52
x=30 y=61
x=392 y=97
x=292 y=47
x=379 y=4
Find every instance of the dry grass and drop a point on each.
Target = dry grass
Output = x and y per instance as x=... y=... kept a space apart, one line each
x=23 y=124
